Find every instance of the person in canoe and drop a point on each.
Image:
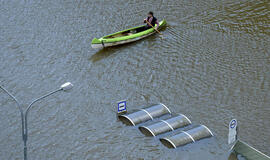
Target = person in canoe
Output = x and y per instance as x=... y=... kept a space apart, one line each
x=150 y=19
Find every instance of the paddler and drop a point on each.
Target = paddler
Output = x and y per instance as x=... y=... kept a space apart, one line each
x=152 y=20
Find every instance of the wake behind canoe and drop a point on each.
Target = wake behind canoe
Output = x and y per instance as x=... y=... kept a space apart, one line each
x=125 y=36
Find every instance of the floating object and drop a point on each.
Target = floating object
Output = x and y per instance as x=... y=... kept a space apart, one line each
x=165 y=125
x=144 y=115
x=186 y=137
x=125 y=36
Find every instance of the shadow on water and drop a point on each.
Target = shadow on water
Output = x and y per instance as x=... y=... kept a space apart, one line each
x=106 y=52
x=102 y=53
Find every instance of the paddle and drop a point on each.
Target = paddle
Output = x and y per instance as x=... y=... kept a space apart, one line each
x=152 y=26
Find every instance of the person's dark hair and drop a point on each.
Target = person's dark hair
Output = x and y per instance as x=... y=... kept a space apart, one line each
x=151 y=13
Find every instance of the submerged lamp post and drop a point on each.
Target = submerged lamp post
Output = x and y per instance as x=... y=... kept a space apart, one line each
x=64 y=87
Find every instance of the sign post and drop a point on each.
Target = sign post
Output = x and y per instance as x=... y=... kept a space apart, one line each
x=232 y=137
x=122 y=107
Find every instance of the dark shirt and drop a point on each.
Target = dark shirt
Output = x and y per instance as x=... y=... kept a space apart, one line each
x=150 y=21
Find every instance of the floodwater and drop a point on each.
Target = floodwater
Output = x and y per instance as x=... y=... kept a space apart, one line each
x=212 y=65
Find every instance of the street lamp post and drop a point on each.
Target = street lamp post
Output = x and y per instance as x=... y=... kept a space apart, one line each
x=65 y=87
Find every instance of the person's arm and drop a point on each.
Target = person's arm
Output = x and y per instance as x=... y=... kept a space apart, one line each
x=144 y=21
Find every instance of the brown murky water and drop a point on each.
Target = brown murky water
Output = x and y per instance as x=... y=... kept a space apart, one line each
x=212 y=65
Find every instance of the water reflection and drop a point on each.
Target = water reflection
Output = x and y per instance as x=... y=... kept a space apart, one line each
x=102 y=53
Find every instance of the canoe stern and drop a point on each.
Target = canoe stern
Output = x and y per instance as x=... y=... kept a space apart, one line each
x=96 y=41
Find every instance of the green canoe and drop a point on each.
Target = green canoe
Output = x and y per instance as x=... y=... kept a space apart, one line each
x=125 y=36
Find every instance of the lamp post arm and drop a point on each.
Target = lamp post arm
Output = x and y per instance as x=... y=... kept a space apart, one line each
x=13 y=97
x=64 y=87
x=18 y=105
x=30 y=106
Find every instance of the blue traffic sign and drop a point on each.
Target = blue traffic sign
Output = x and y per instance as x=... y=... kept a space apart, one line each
x=233 y=123
x=122 y=106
